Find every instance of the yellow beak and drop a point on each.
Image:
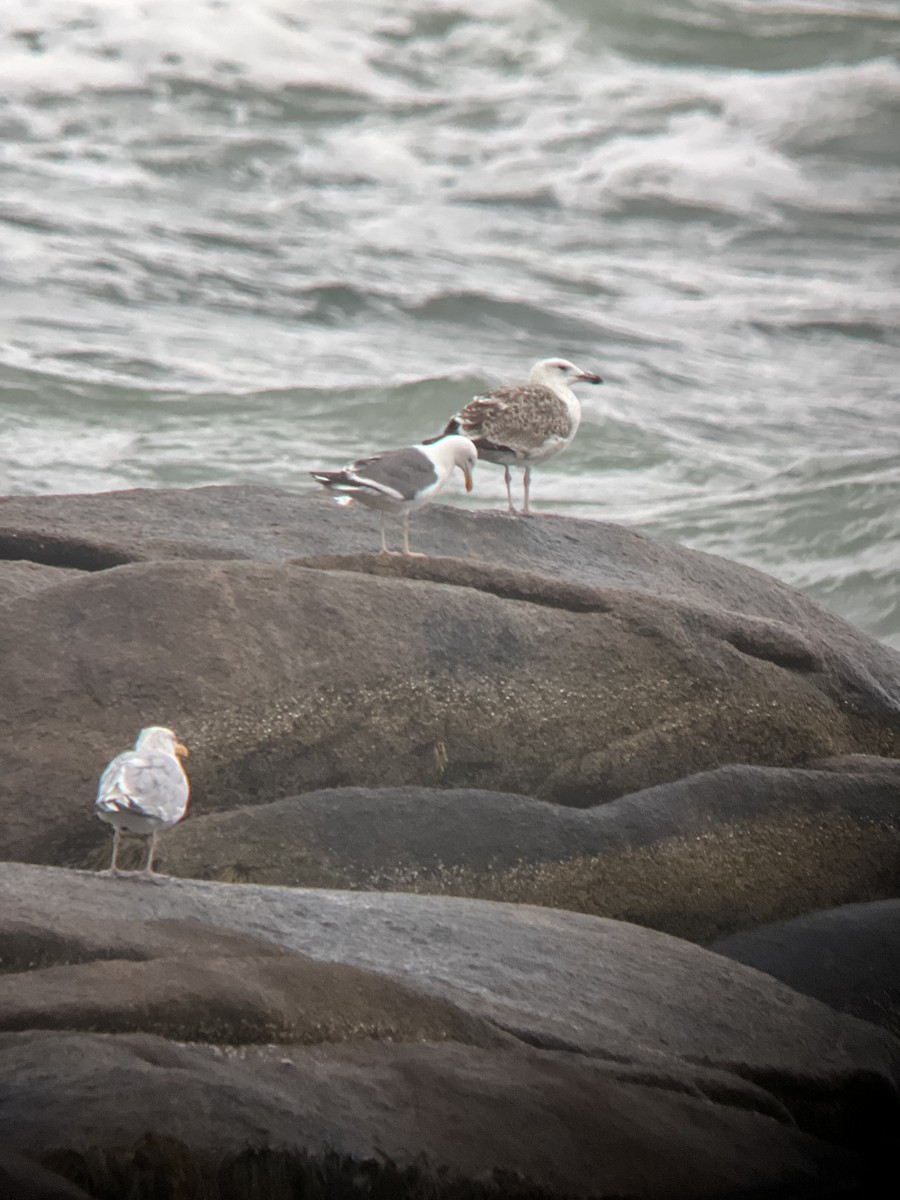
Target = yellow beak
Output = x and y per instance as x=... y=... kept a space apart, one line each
x=467 y=471
x=181 y=751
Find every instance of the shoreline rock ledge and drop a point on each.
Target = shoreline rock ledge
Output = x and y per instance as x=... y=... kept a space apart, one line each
x=584 y=662
x=539 y=1052
x=630 y=740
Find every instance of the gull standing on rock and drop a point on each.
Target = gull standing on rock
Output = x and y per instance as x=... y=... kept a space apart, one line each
x=144 y=790
x=525 y=425
x=401 y=480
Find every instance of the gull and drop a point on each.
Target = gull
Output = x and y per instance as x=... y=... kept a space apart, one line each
x=527 y=424
x=401 y=480
x=144 y=790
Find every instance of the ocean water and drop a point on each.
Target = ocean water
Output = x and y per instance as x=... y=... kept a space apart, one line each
x=240 y=239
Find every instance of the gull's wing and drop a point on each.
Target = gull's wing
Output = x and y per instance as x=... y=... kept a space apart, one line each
x=518 y=419
x=151 y=785
x=398 y=474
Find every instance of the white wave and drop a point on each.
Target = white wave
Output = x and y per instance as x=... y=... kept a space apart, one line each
x=63 y=46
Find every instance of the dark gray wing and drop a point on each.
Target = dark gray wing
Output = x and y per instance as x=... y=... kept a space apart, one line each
x=400 y=474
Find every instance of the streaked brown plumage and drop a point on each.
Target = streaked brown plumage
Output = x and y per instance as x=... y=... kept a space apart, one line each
x=525 y=425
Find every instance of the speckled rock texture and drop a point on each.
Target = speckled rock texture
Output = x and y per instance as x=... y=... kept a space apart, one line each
x=562 y=714
x=698 y=858
x=361 y=671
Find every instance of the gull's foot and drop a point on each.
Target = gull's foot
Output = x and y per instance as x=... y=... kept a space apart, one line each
x=115 y=873
x=414 y=554
x=152 y=877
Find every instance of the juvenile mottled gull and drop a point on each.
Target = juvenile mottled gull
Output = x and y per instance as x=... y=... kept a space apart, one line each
x=144 y=790
x=401 y=480
x=525 y=425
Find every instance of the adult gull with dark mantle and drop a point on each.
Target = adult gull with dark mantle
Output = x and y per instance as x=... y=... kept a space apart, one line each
x=144 y=790
x=528 y=424
x=401 y=481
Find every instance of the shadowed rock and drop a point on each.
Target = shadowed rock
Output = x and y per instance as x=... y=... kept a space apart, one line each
x=23 y=1179
x=706 y=855
x=848 y=957
x=697 y=1075
x=523 y=1120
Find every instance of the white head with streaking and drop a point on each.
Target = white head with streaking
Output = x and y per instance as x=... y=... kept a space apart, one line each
x=144 y=790
x=402 y=480
x=559 y=374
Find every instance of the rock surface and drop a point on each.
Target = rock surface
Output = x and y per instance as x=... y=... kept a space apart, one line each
x=450 y=706
x=533 y=1115
x=285 y=679
x=848 y=957
x=697 y=858
x=699 y=1076
x=94 y=532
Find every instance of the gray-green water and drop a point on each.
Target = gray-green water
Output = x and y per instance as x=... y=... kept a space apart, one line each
x=244 y=238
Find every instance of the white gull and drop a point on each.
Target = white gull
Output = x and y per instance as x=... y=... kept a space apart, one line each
x=144 y=790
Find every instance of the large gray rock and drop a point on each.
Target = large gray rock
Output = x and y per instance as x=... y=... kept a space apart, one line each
x=848 y=957
x=588 y=1056
x=181 y=980
x=288 y=678
x=630 y=993
x=697 y=858
x=94 y=532
x=23 y=1179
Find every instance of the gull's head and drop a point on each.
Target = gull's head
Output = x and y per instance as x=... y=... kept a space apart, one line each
x=550 y=371
x=160 y=739
x=461 y=452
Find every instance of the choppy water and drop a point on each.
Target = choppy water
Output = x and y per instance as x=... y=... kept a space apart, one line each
x=243 y=238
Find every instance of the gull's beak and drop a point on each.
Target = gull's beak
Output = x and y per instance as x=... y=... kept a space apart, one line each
x=467 y=471
x=181 y=751
x=587 y=377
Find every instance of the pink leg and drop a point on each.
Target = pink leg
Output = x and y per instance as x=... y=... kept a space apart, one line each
x=507 y=479
x=151 y=854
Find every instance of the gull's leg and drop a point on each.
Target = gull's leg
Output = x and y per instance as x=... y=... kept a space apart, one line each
x=526 y=510
x=507 y=479
x=151 y=853
x=113 y=869
x=406 y=550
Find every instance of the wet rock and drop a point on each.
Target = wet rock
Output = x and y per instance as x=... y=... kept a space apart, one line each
x=848 y=957
x=697 y=1075
x=519 y=1120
